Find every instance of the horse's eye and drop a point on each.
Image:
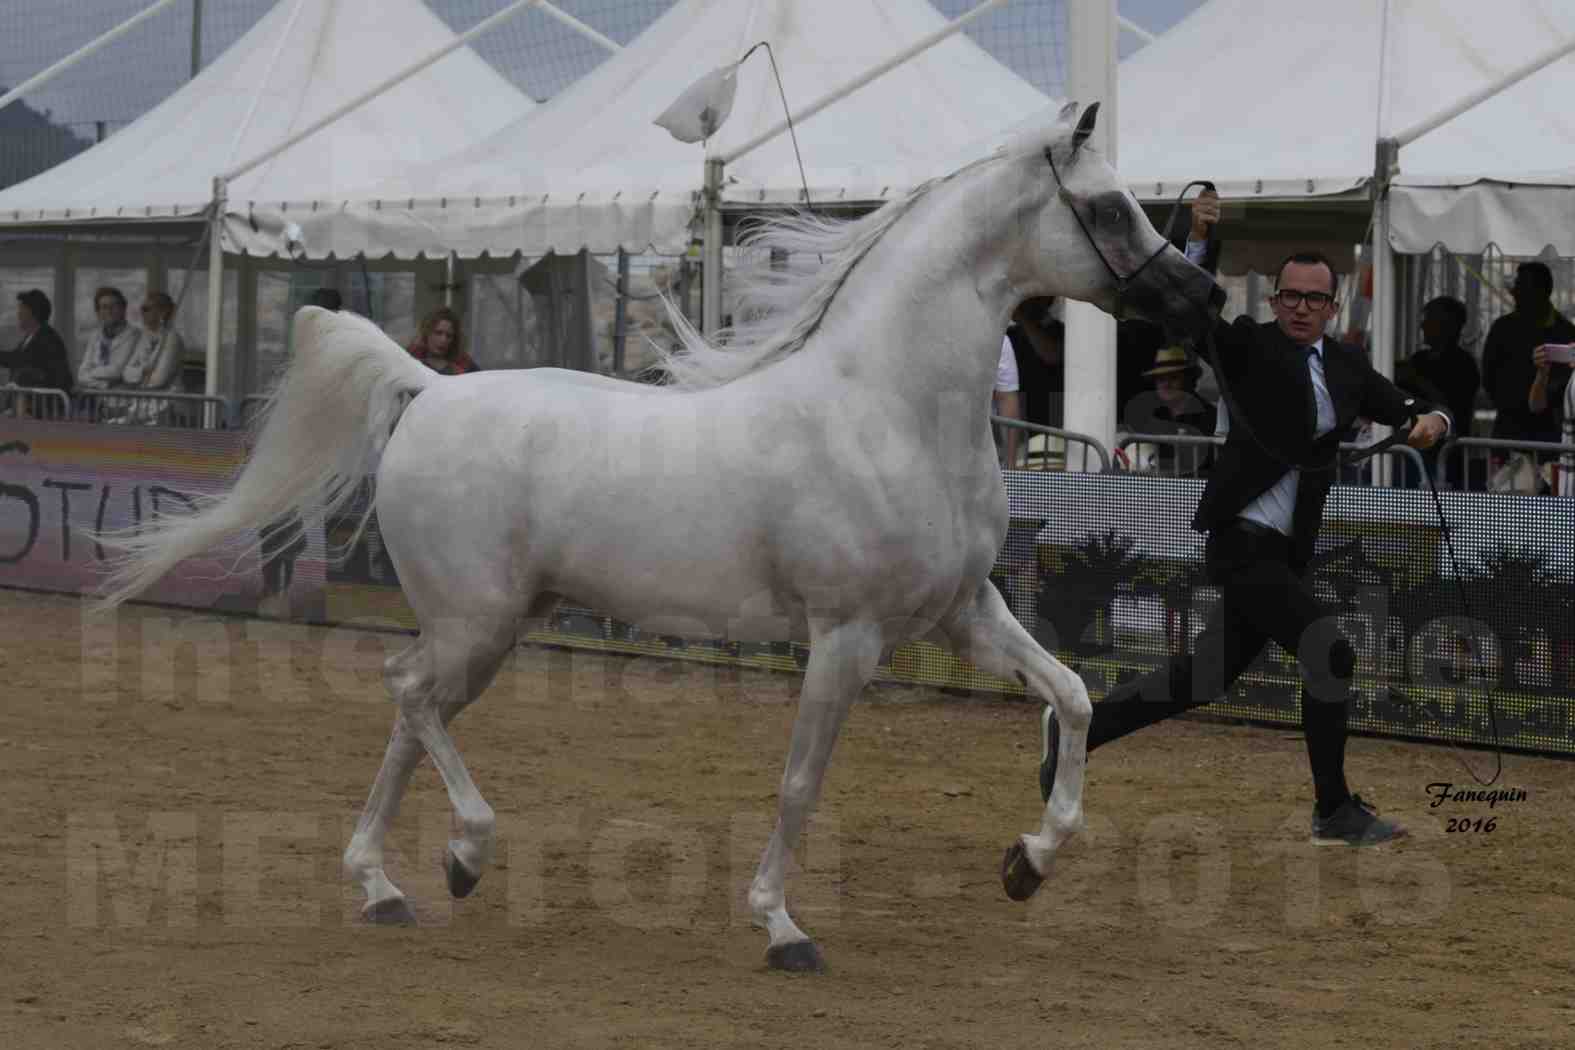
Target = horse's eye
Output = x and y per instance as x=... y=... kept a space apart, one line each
x=1114 y=215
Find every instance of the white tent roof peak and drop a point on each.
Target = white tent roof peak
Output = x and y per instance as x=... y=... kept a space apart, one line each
x=591 y=169
x=1267 y=107
x=299 y=62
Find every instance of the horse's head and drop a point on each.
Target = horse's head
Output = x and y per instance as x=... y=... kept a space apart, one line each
x=1086 y=237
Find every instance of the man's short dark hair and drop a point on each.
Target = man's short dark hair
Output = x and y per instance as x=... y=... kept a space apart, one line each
x=113 y=293
x=1310 y=259
x=1537 y=271
x=1450 y=307
x=327 y=298
x=37 y=304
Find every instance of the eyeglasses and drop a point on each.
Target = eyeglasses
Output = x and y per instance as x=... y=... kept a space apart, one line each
x=1290 y=298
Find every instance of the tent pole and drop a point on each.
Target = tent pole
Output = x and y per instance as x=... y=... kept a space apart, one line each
x=1136 y=30
x=711 y=264
x=918 y=47
x=1385 y=301
x=80 y=53
x=196 y=38
x=1476 y=98
x=1092 y=406
x=215 y=298
x=410 y=71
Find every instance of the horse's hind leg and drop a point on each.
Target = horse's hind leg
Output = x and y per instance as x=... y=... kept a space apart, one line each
x=987 y=635
x=431 y=682
x=363 y=859
x=841 y=661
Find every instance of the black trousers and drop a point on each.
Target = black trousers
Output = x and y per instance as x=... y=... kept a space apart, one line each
x=1262 y=598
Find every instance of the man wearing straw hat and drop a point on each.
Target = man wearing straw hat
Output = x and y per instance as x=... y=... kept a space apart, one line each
x=1171 y=408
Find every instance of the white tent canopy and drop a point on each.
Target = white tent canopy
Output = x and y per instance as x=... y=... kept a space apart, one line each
x=1521 y=217
x=1272 y=108
x=590 y=169
x=303 y=59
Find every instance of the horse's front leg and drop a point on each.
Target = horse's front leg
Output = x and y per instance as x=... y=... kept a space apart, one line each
x=987 y=635
x=841 y=661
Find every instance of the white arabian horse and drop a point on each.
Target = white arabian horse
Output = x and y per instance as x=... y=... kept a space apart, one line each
x=826 y=474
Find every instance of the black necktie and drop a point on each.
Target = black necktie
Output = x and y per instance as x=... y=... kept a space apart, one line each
x=1307 y=353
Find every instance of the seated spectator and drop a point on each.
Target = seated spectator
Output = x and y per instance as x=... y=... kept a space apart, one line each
x=154 y=364
x=1170 y=408
x=328 y=299
x=40 y=359
x=438 y=344
x=1444 y=373
x=111 y=347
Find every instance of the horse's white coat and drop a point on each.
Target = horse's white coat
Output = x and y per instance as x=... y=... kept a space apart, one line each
x=840 y=487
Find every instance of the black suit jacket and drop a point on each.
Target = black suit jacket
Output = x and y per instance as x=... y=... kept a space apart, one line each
x=1271 y=385
x=42 y=362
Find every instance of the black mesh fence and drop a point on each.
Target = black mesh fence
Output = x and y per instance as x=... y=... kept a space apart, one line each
x=1106 y=572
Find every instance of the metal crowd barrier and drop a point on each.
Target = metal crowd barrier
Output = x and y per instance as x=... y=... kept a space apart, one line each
x=1527 y=467
x=32 y=402
x=250 y=405
x=150 y=408
x=1049 y=448
x=1189 y=454
x=1147 y=453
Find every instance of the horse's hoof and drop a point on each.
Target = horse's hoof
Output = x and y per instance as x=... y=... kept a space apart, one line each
x=1018 y=876
x=393 y=911
x=795 y=957
x=460 y=879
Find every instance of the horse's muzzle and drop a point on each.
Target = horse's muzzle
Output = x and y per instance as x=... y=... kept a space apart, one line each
x=1176 y=294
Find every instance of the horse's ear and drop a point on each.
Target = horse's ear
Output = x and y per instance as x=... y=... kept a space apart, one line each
x=1068 y=112
x=1085 y=127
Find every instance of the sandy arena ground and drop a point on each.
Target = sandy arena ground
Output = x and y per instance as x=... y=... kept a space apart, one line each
x=178 y=790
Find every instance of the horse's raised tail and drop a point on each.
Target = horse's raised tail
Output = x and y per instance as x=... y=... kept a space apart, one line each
x=332 y=412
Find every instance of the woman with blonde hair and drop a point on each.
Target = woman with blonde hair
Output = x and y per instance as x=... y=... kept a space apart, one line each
x=438 y=344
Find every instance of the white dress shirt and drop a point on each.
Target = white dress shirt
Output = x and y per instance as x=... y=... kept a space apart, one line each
x=1006 y=379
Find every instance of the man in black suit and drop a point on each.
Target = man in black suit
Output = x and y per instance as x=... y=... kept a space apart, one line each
x=40 y=360
x=1293 y=394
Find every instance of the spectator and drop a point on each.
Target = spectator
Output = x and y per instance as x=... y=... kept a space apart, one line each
x=1006 y=400
x=40 y=359
x=328 y=299
x=1039 y=347
x=1444 y=373
x=1537 y=401
x=107 y=354
x=438 y=344
x=1170 y=408
x=154 y=364
x=1507 y=367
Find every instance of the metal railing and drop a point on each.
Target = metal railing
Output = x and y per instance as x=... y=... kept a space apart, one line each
x=34 y=402
x=249 y=406
x=154 y=408
x=1049 y=448
x=1502 y=465
x=1172 y=455
x=1189 y=454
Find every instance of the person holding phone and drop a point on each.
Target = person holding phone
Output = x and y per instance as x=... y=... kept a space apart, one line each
x=1545 y=358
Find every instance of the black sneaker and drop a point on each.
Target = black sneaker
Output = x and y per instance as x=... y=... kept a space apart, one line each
x=1354 y=823
x=1049 y=750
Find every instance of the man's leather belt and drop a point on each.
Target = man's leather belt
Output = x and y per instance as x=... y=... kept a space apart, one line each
x=1252 y=528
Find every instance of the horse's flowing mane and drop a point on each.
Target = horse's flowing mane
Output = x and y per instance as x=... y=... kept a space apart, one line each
x=776 y=307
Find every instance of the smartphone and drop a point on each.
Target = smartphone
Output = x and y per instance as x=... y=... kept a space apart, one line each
x=1560 y=353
